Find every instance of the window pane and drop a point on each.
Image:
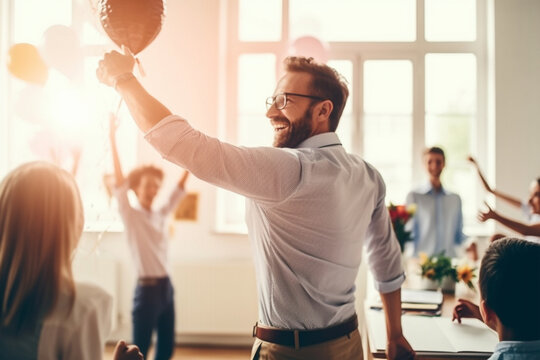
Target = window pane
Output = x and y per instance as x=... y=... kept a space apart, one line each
x=346 y=126
x=33 y=17
x=388 y=146
x=259 y=20
x=453 y=134
x=450 y=20
x=450 y=83
x=256 y=81
x=388 y=123
x=255 y=131
x=450 y=115
x=388 y=87
x=354 y=20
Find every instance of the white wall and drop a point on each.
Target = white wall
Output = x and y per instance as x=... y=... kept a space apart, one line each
x=516 y=143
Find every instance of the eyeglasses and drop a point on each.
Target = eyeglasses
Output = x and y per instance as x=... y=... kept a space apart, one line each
x=280 y=100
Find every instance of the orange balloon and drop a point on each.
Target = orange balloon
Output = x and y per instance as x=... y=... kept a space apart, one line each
x=25 y=63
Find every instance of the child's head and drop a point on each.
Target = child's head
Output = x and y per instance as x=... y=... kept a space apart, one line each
x=534 y=198
x=510 y=288
x=40 y=224
x=145 y=181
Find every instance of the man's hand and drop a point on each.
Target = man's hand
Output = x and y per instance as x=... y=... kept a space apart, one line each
x=113 y=65
x=465 y=309
x=399 y=349
x=127 y=352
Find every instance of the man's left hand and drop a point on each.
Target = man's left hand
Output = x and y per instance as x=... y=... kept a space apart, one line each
x=399 y=349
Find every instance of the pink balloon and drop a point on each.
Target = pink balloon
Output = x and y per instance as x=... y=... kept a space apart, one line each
x=310 y=46
x=62 y=51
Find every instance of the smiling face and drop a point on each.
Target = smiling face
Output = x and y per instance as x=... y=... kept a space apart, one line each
x=147 y=190
x=294 y=123
x=434 y=164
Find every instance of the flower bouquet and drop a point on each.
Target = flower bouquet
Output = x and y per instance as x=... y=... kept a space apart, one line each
x=399 y=215
x=439 y=268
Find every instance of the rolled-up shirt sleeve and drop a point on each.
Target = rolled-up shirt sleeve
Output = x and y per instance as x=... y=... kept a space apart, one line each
x=261 y=173
x=382 y=247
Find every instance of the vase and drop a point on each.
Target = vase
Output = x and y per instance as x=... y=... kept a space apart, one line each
x=428 y=284
x=448 y=285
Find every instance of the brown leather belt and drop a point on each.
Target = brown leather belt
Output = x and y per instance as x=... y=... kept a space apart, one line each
x=300 y=338
x=147 y=281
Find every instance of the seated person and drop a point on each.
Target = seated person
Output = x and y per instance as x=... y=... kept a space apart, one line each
x=45 y=314
x=437 y=224
x=509 y=278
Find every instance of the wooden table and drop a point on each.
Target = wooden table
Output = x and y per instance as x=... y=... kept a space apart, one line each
x=450 y=300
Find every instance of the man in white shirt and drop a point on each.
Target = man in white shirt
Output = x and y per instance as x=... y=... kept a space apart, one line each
x=311 y=208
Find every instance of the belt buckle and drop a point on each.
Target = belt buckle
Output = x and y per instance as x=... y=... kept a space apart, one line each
x=254 y=331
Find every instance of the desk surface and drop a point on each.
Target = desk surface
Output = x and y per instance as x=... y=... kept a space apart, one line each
x=447 y=307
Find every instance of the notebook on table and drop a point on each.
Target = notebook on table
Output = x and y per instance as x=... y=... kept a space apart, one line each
x=435 y=336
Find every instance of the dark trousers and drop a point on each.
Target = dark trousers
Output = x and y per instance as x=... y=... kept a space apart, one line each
x=153 y=308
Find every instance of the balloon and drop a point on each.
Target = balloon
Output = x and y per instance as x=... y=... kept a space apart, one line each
x=25 y=63
x=61 y=50
x=310 y=46
x=133 y=23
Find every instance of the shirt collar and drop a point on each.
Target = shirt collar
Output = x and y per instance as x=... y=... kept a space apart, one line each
x=320 y=140
x=428 y=189
x=522 y=346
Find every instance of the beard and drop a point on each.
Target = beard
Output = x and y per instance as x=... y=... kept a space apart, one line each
x=296 y=131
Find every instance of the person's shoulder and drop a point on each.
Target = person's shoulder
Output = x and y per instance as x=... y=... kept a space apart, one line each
x=452 y=194
x=87 y=294
x=423 y=189
x=89 y=299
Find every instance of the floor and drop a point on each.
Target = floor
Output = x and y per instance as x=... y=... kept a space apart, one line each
x=197 y=353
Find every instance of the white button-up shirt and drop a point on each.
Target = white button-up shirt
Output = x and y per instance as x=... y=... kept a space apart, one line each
x=310 y=212
x=437 y=224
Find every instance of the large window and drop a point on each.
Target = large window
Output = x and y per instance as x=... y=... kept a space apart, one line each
x=416 y=80
x=65 y=118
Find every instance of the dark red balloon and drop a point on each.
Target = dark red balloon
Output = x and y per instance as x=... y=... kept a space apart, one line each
x=133 y=23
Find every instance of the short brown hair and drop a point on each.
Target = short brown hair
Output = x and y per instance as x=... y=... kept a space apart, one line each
x=134 y=177
x=326 y=83
x=435 y=150
x=509 y=278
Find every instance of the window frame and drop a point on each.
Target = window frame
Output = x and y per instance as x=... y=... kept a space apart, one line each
x=231 y=48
